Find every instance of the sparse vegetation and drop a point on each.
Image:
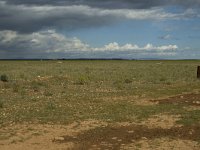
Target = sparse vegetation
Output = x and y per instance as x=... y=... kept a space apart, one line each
x=109 y=91
x=92 y=89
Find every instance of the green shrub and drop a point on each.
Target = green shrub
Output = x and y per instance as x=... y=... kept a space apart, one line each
x=51 y=106
x=48 y=93
x=4 y=78
x=127 y=81
x=162 y=79
x=82 y=80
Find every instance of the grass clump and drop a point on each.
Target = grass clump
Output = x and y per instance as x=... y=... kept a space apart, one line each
x=82 y=80
x=1 y=104
x=16 y=87
x=127 y=81
x=4 y=78
x=51 y=106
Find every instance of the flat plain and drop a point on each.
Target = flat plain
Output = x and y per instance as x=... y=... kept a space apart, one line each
x=100 y=104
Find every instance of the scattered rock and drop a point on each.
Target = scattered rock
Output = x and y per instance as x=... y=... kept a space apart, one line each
x=144 y=138
x=197 y=102
x=191 y=132
x=131 y=131
x=114 y=138
x=58 y=139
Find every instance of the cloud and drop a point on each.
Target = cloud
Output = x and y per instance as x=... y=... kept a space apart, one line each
x=116 y=47
x=49 y=42
x=165 y=37
x=42 y=41
x=111 y=4
x=186 y=3
x=30 y=18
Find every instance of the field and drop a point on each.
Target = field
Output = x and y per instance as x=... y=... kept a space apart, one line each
x=99 y=104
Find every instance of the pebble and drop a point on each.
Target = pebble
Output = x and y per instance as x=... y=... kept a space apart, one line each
x=197 y=102
x=130 y=131
x=119 y=140
x=114 y=138
x=144 y=138
x=59 y=139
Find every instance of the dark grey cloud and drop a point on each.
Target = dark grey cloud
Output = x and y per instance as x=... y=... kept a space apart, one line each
x=186 y=3
x=139 y=4
x=94 y=3
x=31 y=18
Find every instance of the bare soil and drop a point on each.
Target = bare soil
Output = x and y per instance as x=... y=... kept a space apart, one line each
x=164 y=121
x=113 y=138
x=187 y=99
x=157 y=132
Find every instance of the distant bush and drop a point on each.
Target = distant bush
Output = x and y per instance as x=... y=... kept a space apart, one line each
x=163 y=79
x=128 y=81
x=15 y=87
x=4 y=78
x=82 y=80
x=51 y=106
x=1 y=104
x=118 y=84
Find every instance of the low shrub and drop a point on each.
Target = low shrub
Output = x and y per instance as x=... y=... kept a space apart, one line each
x=1 y=104
x=4 y=78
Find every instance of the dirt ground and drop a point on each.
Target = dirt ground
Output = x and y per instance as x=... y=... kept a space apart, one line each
x=157 y=132
x=188 y=99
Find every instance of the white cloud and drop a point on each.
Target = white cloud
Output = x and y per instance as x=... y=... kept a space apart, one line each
x=7 y=36
x=116 y=47
x=43 y=41
x=49 y=41
x=168 y=47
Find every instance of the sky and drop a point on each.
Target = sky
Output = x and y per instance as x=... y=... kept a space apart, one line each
x=128 y=29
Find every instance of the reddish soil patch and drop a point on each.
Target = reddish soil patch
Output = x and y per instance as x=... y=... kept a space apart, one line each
x=115 y=137
x=188 y=99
